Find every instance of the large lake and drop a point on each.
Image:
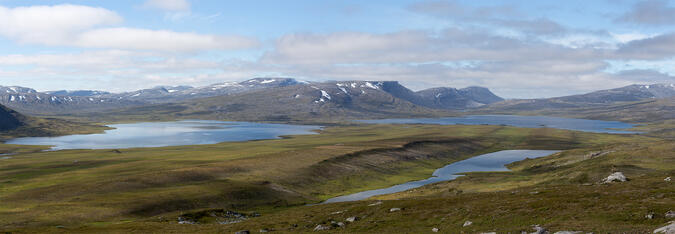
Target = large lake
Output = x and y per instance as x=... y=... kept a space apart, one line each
x=199 y=132
x=158 y=134
x=586 y=125
x=486 y=162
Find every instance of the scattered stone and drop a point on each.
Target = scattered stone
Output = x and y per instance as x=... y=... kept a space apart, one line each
x=321 y=228
x=535 y=192
x=394 y=209
x=60 y=226
x=539 y=229
x=243 y=232
x=670 y=214
x=264 y=230
x=488 y=233
x=338 y=212
x=341 y=224
x=649 y=216
x=467 y=223
x=668 y=229
x=667 y=179
x=615 y=177
x=352 y=219
x=567 y=232
x=183 y=220
x=597 y=154
x=434 y=229
x=376 y=203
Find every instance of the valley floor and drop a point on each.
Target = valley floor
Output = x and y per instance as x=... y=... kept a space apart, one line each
x=149 y=189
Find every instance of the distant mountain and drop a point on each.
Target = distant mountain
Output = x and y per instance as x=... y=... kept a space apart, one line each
x=358 y=96
x=78 y=93
x=165 y=94
x=305 y=101
x=629 y=93
x=29 y=101
x=624 y=94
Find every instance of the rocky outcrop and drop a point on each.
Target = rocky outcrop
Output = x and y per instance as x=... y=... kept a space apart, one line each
x=615 y=177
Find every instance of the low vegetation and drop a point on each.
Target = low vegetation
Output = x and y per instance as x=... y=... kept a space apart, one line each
x=148 y=189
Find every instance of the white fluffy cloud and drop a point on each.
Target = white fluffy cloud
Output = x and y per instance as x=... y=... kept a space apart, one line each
x=89 y=27
x=161 y=40
x=52 y=25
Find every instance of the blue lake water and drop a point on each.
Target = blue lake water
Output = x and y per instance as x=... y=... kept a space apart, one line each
x=159 y=134
x=486 y=162
x=586 y=125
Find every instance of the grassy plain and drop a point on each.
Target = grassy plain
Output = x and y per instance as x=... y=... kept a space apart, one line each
x=146 y=189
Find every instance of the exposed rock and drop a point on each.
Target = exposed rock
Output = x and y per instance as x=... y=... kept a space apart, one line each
x=668 y=229
x=534 y=192
x=539 y=230
x=221 y=217
x=394 y=209
x=243 y=232
x=597 y=154
x=667 y=179
x=649 y=216
x=321 y=228
x=567 y=232
x=341 y=224
x=467 y=223
x=264 y=230
x=434 y=229
x=670 y=214
x=376 y=203
x=352 y=219
x=183 y=220
x=488 y=233
x=615 y=177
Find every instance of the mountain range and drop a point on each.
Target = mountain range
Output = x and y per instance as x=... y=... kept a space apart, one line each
x=629 y=93
x=381 y=94
x=287 y=99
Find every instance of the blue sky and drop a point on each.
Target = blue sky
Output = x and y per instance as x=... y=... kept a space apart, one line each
x=518 y=49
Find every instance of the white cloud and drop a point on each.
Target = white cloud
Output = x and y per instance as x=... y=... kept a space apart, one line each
x=161 y=40
x=168 y=5
x=415 y=47
x=52 y=25
x=82 y=26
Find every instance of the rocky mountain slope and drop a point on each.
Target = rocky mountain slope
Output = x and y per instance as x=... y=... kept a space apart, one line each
x=10 y=119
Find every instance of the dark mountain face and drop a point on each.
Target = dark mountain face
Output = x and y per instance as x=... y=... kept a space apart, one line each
x=10 y=119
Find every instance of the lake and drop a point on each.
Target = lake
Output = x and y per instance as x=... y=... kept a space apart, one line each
x=586 y=125
x=486 y=162
x=159 y=134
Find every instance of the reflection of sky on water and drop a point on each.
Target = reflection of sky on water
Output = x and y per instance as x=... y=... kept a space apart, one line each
x=486 y=162
x=158 y=134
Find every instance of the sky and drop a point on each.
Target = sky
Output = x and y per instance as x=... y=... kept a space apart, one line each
x=518 y=49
